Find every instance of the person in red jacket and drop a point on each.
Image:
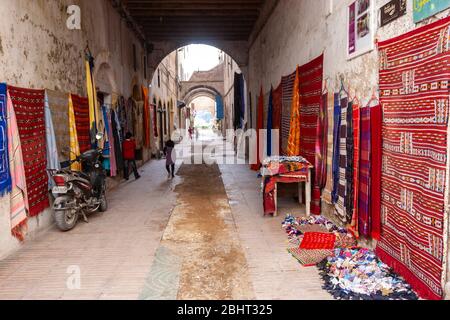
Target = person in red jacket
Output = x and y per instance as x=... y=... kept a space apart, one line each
x=129 y=157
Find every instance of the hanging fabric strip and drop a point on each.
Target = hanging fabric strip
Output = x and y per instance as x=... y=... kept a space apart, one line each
x=364 y=225
x=74 y=145
x=341 y=209
x=5 y=175
x=294 y=133
x=322 y=143
x=58 y=103
x=29 y=105
x=326 y=195
x=356 y=162
x=92 y=98
x=349 y=170
x=376 y=118
x=259 y=127
x=18 y=199
x=277 y=103
x=52 y=150
x=270 y=124
x=414 y=73
x=336 y=147
x=81 y=112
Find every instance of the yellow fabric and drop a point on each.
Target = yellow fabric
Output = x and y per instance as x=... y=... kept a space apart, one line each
x=94 y=110
x=294 y=133
x=74 y=146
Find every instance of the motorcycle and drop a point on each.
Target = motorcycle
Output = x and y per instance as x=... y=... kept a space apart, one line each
x=79 y=193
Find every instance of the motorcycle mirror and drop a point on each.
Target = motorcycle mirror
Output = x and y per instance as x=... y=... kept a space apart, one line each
x=99 y=136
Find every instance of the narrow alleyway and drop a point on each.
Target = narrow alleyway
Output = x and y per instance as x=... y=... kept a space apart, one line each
x=199 y=236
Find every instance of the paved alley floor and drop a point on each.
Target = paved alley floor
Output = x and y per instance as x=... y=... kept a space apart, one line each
x=199 y=236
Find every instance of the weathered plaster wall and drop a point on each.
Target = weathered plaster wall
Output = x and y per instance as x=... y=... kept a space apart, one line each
x=300 y=30
x=37 y=50
x=166 y=92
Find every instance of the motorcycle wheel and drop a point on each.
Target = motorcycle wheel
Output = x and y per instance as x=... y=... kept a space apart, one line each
x=103 y=203
x=66 y=220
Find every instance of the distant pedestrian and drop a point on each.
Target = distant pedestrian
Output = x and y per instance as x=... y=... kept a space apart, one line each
x=129 y=156
x=170 y=161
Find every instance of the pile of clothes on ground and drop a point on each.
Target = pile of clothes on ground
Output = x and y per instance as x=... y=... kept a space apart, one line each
x=357 y=274
x=349 y=272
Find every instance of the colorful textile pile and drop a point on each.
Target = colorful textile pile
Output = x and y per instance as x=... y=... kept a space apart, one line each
x=296 y=228
x=18 y=199
x=29 y=108
x=414 y=85
x=277 y=165
x=5 y=176
x=58 y=103
x=81 y=111
x=357 y=274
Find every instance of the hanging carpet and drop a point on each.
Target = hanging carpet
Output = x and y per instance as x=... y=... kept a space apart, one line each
x=81 y=111
x=414 y=87
x=5 y=175
x=311 y=81
x=18 y=198
x=58 y=102
x=287 y=85
x=326 y=194
x=29 y=108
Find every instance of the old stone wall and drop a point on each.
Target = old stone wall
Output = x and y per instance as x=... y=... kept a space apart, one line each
x=299 y=31
x=37 y=50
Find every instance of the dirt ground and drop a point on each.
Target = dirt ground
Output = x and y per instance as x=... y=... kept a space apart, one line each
x=202 y=231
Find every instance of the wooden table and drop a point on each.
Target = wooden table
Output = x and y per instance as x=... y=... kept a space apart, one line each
x=303 y=182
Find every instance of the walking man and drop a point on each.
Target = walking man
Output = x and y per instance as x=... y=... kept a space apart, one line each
x=129 y=156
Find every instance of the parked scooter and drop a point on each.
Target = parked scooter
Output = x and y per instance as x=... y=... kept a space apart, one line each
x=79 y=193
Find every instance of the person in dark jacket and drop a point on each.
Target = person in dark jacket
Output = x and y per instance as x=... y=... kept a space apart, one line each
x=170 y=161
x=129 y=156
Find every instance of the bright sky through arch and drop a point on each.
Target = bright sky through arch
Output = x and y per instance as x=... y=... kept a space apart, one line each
x=201 y=58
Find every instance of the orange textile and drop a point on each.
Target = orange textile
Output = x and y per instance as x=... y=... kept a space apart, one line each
x=259 y=127
x=294 y=133
x=147 y=127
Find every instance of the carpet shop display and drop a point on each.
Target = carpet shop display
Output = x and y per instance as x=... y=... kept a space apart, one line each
x=259 y=127
x=29 y=108
x=357 y=274
x=414 y=86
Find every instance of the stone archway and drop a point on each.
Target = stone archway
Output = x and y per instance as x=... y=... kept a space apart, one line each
x=104 y=74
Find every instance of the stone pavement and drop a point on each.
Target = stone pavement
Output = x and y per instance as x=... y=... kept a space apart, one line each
x=119 y=254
